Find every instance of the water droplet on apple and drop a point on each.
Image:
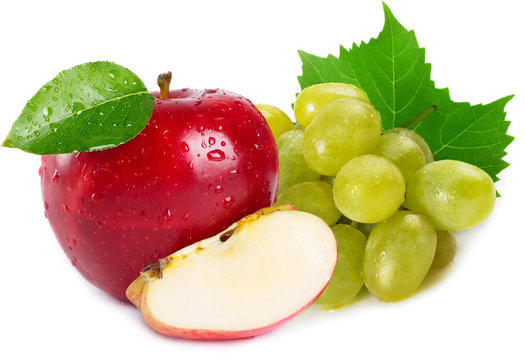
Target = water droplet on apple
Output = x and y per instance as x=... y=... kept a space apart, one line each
x=185 y=147
x=67 y=210
x=218 y=189
x=97 y=198
x=211 y=141
x=167 y=215
x=55 y=177
x=228 y=201
x=216 y=155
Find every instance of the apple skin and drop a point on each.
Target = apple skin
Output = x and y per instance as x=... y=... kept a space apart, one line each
x=204 y=334
x=203 y=161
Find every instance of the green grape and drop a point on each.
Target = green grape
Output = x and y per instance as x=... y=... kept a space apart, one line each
x=365 y=228
x=369 y=189
x=292 y=166
x=315 y=97
x=298 y=126
x=398 y=255
x=344 y=220
x=417 y=139
x=347 y=279
x=328 y=179
x=404 y=152
x=453 y=194
x=445 y=249
x=314 y=197
x=278 y=121
x=342 y=130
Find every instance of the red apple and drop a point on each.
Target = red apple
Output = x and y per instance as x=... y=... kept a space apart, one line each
x=204 y=160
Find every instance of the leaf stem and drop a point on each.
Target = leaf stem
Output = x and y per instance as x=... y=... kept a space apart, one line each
x=163 y=81
x=420 y=117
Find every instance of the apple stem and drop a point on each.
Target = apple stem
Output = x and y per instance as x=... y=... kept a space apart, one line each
x=163 y=81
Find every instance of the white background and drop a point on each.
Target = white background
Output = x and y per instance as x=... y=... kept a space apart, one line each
x=473 y=308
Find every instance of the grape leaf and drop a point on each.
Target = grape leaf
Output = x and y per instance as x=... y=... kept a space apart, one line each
x=89 y=107
x=392 y=70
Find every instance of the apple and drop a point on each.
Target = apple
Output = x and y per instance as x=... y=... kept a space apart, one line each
x=204 y=160
x=242 y=282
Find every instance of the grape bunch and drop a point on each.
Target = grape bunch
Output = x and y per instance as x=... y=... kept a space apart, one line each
x=392 y=208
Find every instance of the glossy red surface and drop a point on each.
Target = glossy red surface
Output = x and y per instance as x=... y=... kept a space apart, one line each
x=204 y=160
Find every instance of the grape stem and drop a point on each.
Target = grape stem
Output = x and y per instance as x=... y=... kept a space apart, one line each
x=420 y=117
x=163 y=81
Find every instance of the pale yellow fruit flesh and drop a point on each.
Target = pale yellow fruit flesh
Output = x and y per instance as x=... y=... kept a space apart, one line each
x=271 y=267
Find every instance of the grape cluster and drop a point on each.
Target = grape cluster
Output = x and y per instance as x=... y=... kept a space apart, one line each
x=392 y=208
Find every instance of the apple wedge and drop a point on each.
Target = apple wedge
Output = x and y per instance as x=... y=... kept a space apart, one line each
x=242 y=282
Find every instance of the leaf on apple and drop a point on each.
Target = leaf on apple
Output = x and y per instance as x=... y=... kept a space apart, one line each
x=92 y=106
x=392 y=70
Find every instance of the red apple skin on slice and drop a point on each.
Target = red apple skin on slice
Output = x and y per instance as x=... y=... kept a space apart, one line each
x=245 y=281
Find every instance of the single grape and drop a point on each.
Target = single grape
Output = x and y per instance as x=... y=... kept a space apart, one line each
x=344 y=220
x=342 y=130
x=445 y=249
x=277 y=119
x=398 y=255
x=292 y=166
x=417 y=139
x=453 y=194
x=315 y=97
x=314 y=197
x=404 y=152
x=328 y=179
x=347 y=279
x=366 y=228
x=369 y=189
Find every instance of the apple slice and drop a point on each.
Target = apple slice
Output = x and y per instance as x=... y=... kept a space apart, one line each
x=242 y=282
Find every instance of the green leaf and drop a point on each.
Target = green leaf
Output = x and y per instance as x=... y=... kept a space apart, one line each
x=392 y=70
x=89 y=107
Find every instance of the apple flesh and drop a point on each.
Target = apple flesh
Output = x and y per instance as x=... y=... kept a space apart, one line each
x=204 y=160
x=242 y=282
